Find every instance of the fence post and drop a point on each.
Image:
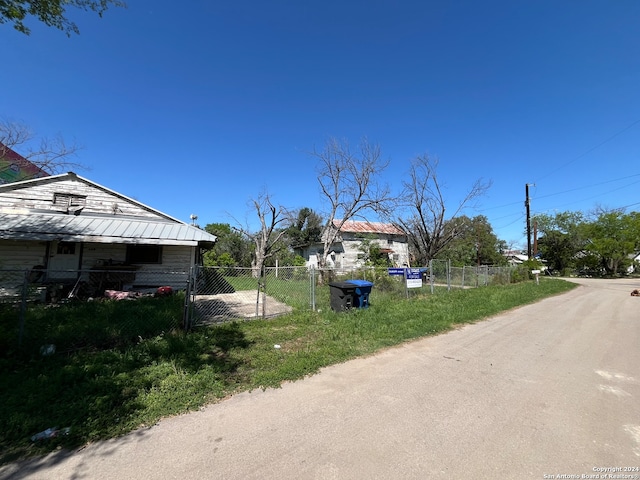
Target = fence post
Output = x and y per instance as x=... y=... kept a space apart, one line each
x=406 y=288
x=259 y=286
x=312 y=287
x=23 y=307
x=431 y=276
x=264 y=291
x=186 y=314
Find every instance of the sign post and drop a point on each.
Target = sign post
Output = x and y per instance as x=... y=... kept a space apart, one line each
x=536 y=273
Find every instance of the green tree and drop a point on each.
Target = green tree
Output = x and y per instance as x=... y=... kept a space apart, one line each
x=305 y=230
x=50 y=12
x=561 y=239
x=558 y=249
x=372 y=253
x=474 y=242
x=231 y=249
x=284 y=256
x=614 y=238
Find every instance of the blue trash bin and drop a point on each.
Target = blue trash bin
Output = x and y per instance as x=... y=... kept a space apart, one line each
x=361 y=293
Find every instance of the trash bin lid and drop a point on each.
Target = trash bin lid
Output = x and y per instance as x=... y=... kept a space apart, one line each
x=361 y=283
x=343 y=285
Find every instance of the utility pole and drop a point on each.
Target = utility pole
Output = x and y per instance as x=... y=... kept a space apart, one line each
x=526 y=204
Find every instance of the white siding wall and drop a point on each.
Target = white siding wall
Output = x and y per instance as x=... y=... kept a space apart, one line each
x=173 y=271
x=94 y=254
x=97 y=201
x=174 y=258
x=22 y=254
x=347 y=251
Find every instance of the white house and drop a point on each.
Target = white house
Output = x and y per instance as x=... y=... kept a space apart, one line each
x=515 y=257
x=60 y=225
x=346 y=253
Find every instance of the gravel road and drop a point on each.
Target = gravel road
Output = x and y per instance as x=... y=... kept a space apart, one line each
x=549 y=390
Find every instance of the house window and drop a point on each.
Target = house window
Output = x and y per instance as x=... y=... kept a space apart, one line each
x=66 y=200
x=66 y=248
x=144 y=254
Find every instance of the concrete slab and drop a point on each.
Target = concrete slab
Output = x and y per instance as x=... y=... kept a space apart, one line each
x=245 y=304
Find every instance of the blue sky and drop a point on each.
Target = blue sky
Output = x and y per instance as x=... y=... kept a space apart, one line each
x=200 y=108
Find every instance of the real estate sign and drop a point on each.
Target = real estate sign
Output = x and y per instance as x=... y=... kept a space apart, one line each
x=414 y=278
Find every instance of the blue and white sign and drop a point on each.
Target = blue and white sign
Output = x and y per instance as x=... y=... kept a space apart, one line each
x=399 y=272
x=414 y=278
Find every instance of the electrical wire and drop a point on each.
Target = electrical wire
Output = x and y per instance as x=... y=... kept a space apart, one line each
x=590 y=150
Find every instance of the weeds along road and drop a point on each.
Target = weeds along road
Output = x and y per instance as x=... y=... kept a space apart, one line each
x=550 y=390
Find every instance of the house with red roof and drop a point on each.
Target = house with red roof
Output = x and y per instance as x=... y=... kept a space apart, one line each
x=346 y=251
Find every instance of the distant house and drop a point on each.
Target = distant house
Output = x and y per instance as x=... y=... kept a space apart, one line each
x=346 y=253
x=59 y=225
x=515 y=257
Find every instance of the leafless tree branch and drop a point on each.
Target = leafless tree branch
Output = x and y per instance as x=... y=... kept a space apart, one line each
x=349 y=183
x=273 y=223
x=428 y=228
x=50 y=155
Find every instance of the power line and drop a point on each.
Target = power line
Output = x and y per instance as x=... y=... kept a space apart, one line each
x=592 y=185
x=591 y=149
x=563 y=192
x=595 y=196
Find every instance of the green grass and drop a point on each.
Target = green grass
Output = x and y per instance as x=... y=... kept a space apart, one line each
x=105 y=392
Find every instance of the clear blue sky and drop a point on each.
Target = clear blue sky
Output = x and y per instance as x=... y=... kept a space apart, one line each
x=197 y=107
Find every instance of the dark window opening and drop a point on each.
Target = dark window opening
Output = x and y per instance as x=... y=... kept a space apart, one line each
x=144 y=254
x=66 y=248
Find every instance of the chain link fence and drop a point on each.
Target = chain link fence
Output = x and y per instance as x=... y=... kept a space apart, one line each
x=48 y=311
x=102 y=308
x=443 y=274
x=220 y=294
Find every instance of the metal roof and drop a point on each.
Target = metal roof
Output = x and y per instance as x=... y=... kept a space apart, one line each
x=100 y=229
x=368 y=227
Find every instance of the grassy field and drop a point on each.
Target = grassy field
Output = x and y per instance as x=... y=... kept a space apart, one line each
x=137 y=377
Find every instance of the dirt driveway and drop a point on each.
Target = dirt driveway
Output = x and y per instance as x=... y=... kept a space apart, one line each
x=542 y=391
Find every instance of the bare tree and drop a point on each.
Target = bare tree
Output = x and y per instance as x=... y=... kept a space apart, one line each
x=50 y=155
x=273 y=226
x=428 y=229
x=349 y=184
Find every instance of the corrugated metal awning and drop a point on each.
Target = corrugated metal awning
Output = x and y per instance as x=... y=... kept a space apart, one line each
x=100 y=229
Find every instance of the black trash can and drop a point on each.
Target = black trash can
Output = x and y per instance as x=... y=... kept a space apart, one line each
x=361 y=294
x=342 y=294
